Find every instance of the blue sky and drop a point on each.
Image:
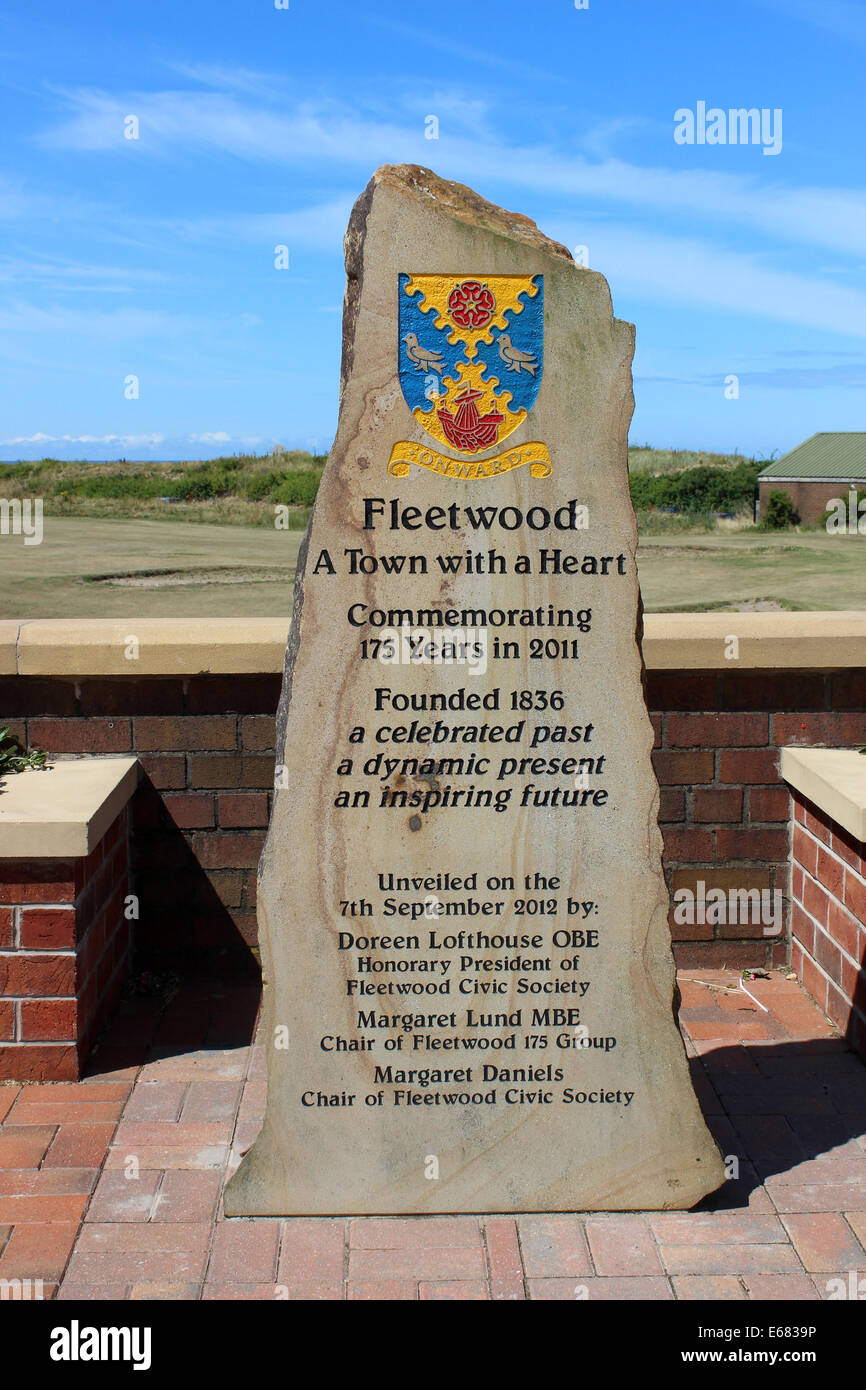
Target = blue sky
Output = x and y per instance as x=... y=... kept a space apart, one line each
x=259 y=126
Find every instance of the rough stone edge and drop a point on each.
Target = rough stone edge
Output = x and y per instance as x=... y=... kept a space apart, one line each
x=455 y=198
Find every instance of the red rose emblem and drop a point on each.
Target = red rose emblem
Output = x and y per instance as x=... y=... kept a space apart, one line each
x=471 y=305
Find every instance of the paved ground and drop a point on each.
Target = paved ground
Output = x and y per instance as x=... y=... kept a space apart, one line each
x=111 y=1188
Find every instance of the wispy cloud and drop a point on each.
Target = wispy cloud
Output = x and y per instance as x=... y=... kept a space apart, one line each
x=155 y=446
x=18 y=201
x=840 y=17
x=125 y=440
x=75 y=276
x=600 y=138
x=125 y=325
x=815 y=353
x=171 y=121
x=689 y=271
x=697 y=274
x=844 y=378
x=831 y=217
x=850 y=377
x=318 y=225
x=481 y=55
x=329 y=136
x=250 y=81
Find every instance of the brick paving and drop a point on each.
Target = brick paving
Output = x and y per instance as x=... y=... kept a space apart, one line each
x=110 y=1188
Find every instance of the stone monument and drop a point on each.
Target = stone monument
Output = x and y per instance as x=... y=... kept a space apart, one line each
x=468 y=974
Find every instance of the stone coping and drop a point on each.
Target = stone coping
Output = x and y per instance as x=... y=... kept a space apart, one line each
x=165 y=646
x=64 y=812
x=75 y=647
x=767 y=641
x=834 y=779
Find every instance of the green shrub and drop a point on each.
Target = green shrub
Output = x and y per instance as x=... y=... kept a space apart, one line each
x=259 y=486
x=695 y=490
x=14 y=757
x=193 y=485
x=291 y=487
x=217 y=479
x=779 y=512
x=116 y=485
x=296 y=489
x=199 y=489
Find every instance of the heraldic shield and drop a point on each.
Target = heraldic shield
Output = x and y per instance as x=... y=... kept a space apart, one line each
x=471 y=355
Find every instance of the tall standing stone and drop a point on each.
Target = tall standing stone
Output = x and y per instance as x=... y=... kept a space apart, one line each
x=469 y=981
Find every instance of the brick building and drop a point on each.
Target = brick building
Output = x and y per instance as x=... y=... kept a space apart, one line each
x=825 y=466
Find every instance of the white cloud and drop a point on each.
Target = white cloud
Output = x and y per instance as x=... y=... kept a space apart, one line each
x=823 y=216
x=689 y=272
x=16 y=202
x=75 y=276
x=838 y=378
x=599 y=138
x=125 y=439
x=127 y=326
x=318 y=225
x=248 y=80
x=171 y=120
x=331 y=135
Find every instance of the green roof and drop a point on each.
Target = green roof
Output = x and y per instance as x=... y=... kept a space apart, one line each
x=840 y=456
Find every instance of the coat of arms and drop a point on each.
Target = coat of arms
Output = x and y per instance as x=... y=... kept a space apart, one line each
x=471 y=361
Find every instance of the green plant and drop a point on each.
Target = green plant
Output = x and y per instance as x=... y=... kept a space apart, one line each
x=291 y=487
x=15 y=758
x=697 y=490
x=779 y=512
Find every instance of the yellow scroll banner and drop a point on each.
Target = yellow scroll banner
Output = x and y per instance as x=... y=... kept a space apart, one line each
x=404 y=454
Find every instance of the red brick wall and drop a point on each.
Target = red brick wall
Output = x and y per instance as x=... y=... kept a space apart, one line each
x=64 y=956
x=828 y=918
x=206 y=744
x=199 y=816
x=809 y=499
x=724 y=812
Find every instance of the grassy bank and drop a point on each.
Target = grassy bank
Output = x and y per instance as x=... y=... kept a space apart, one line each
x=244 y=489
x=241 y=490
x=114 y=545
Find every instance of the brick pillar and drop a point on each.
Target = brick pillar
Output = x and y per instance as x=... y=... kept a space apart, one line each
x=828 y=918
x=64 y=953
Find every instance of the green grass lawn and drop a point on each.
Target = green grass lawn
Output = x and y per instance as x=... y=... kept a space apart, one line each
x=684 y=571
x=60 y=578
x=704 y=571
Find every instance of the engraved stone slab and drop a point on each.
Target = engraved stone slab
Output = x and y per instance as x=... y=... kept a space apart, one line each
x=469 y=980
